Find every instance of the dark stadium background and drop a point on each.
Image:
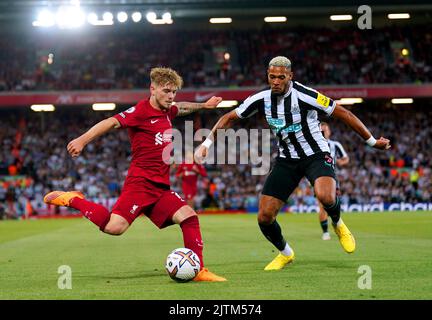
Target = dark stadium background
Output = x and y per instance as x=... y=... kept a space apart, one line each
x=72 y=69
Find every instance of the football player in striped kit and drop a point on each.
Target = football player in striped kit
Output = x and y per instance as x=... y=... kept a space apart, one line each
x=291 y=110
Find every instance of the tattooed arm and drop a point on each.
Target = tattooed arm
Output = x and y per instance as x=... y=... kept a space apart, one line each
x=185 y=108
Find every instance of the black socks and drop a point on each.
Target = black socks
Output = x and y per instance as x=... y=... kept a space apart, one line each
x=324 y=225
x=334 y=211
x=273 y=233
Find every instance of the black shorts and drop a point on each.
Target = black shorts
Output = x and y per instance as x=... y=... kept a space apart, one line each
x=286 y=174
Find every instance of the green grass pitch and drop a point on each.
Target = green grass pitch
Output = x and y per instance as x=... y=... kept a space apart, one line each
x=396 y=246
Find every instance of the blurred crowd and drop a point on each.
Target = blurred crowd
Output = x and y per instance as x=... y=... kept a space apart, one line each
x=121 y=59
x=34 y=160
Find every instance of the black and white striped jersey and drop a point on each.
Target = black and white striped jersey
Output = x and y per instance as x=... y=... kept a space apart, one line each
x=336 y=150
x=293 y=118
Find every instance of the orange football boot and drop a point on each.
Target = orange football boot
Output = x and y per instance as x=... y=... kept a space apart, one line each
x=62 y=198
x=206 y=275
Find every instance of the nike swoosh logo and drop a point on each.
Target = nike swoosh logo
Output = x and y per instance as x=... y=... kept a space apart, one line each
x=204 y=97
x=154 y=121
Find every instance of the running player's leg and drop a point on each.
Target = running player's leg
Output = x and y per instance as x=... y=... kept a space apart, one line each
x=117 y=225
x=280 y=183
x=320 y=173
x=323 y=219
x=172 y=209
x=96 y=213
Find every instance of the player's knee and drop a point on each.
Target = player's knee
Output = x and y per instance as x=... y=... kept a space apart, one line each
x=267 y=213
x=326 y=198
x=266 y=217
x=184 y=213
x=115 y=229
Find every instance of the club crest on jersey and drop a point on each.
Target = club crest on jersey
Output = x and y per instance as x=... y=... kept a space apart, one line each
x=134 y=207
x=295 y=109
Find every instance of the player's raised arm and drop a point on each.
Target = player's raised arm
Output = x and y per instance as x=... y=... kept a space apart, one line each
x=75 y=146
x=355 y=123
x=185 y=108
x=247 y=109
x=224 y=122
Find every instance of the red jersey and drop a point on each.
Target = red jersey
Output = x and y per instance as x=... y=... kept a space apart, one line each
x=189 y=173
x=150 y=134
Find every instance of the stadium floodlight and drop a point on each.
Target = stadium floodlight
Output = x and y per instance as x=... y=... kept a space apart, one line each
x=42 y=107
x=392 y=16
x=69 y=17
x=108 y=16
x=136 y=16
x=349 y=101
x=405 y=52
x=402 y=100
x=45 y=19
x=227 y=104
x=341 y=17
x=166 y=16
x=220 y=20
x=107 y=19
x=92 y=18
x=122 y=16
x=161 y=21
x=103 y=106
x=151 y=16
x=275 y=19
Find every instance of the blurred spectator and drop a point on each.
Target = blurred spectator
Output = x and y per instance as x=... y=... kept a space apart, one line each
x=111 y=59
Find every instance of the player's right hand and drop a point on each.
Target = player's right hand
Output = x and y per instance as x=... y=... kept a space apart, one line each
x=200 y=154
x=382 y=144
x=75 y=147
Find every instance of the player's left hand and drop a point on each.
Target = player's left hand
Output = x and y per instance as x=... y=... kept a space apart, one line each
x=212 y=102
x=382 y=144
x=200 y=154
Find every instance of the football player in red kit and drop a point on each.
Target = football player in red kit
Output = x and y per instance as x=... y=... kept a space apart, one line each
x=189 y=172
x=146 y=189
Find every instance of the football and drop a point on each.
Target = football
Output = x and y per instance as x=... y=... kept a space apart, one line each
x=182 y=265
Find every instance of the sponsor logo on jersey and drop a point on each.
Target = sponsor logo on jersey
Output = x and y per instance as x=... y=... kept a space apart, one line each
x=276 y=124
x=158 y=138
x=296 y=127
x=161 y=138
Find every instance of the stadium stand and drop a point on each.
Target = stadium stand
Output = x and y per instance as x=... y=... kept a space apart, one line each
x=41 y=162
x=324 y=56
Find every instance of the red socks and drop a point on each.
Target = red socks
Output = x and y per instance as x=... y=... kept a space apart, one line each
x=192 y=236
x=96 y=213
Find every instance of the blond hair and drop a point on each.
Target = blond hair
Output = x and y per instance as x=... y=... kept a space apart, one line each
x=280 y=61
x=162 y=76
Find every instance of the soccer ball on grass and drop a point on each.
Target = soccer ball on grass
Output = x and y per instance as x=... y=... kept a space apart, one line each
x=182 y=265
